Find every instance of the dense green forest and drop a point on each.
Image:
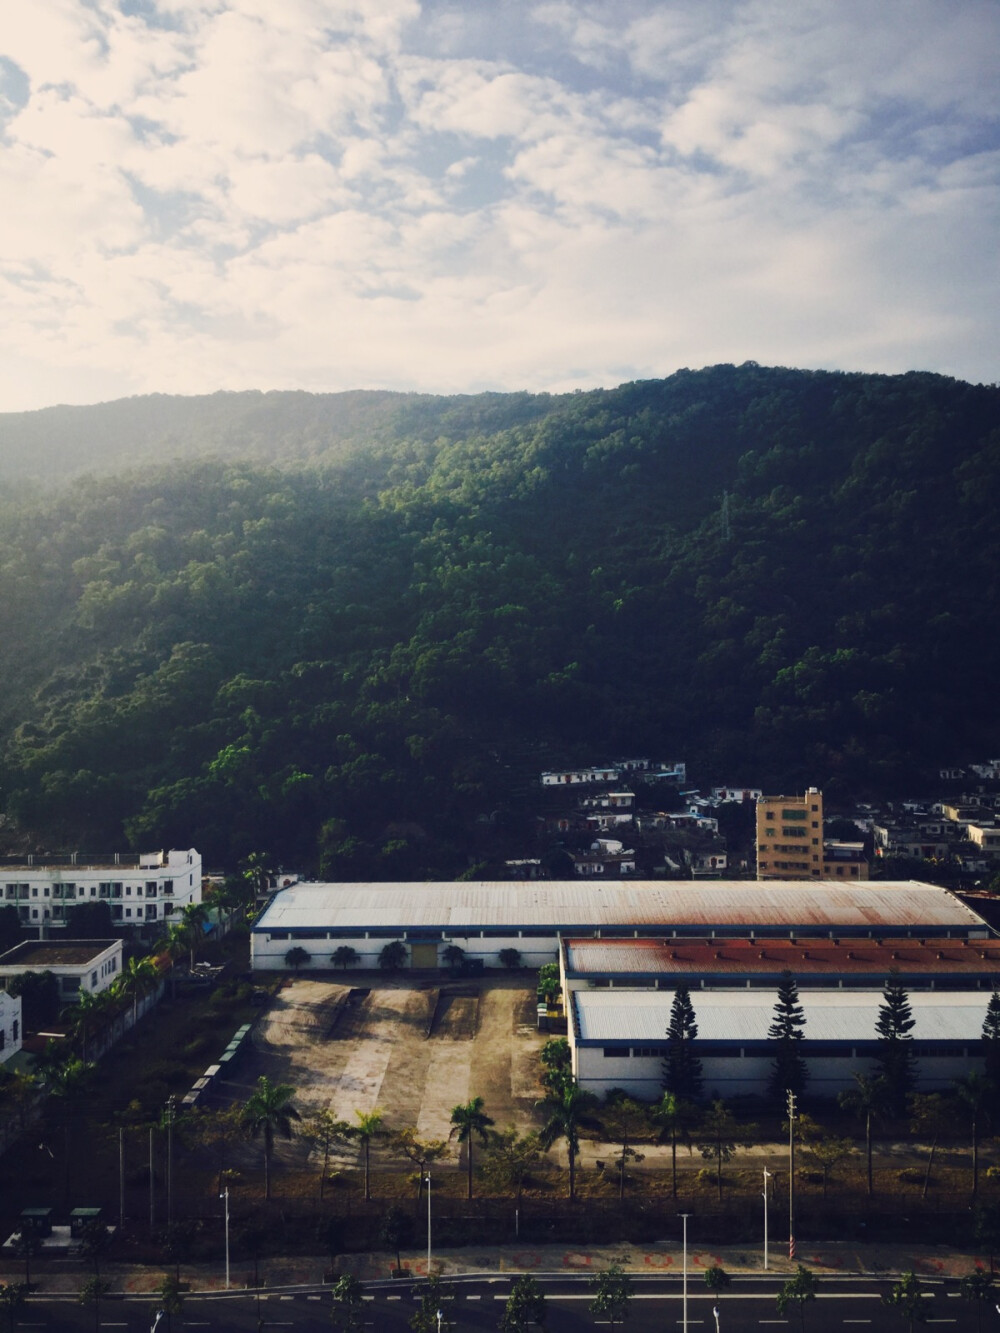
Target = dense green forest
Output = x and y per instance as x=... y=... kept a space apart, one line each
x=352 y=628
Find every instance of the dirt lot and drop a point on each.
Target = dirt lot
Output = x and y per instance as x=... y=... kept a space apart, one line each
x=412 y=1049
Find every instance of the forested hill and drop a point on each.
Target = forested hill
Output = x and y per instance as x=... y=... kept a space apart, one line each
x=354 y=633
x=57 y=444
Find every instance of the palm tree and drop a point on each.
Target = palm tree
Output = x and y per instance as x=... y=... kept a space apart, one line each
x=868 y=1101
x=193 y=918
x=468 y=1119
x=569 y=1109
x=369 y=1127
x=975 y=1092
x=66 y=1082
x=86 y=1015
x=267 y=1112
x=257 y=871
x=138 y=977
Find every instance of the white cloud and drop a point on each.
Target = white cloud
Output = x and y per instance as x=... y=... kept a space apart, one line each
x=332 y=193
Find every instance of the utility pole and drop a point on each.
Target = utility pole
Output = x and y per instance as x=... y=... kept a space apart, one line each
x=767 y=1177
x=791 y=1173
x=170 y=1161
x=121 y=1177
x=684 y=1316
x=152 y=1183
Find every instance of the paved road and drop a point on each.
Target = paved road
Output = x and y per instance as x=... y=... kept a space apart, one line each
x=845 y=1306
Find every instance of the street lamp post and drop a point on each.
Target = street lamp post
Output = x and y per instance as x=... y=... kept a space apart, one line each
x=440 y=1316
x=159 y=1316
x=767 y=1177
x=427 y=1178
x=684 y=1316
x=791 y=1174
x=170 y=1161
x=225 y=1195
x=715 y=1311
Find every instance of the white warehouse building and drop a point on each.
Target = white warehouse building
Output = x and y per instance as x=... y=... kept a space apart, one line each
x=487 y=917
x=618 y=1038
x=139 y=887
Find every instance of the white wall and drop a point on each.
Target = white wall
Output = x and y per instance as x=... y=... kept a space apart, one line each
x=268 y=954
x=10 y=1025
x=642 y=1076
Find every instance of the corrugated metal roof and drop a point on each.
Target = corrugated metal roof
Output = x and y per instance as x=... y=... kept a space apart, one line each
x=638 y=904
x=804 y=957
x=734 y=1016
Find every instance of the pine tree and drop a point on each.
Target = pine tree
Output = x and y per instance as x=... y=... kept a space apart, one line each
x=991 y=1040
x=682 y=1068
x=788 y=1072
x=895 y=1054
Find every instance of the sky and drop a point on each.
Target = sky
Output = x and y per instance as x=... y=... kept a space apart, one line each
x=458 y=195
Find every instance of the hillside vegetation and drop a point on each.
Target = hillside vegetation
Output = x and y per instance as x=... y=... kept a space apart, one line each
x=357 y=624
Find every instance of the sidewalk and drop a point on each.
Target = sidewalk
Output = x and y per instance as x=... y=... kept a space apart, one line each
x=831 y=1258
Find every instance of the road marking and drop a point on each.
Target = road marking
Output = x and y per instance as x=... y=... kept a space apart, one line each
x=474 y=1296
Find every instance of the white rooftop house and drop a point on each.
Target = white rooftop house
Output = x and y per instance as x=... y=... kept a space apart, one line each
x=77 y=965
x=139 y=887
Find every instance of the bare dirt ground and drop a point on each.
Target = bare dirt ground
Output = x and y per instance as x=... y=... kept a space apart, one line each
x=408 y=1048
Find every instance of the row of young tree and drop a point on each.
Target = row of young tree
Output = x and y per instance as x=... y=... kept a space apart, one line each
x=393 y=957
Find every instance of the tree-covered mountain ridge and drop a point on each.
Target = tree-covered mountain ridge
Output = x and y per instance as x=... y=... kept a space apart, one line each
x=353 y=635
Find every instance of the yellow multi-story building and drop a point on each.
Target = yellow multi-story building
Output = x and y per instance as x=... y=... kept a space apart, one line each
x=790 y=836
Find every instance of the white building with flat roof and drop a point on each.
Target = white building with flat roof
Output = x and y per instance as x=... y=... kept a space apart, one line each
x=77 y=965
x=618 y=1038
x=139 y=887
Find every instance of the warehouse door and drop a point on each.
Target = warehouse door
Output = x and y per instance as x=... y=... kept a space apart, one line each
x=423 y=955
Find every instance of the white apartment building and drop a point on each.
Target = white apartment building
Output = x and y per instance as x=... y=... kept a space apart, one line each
x=139 y=887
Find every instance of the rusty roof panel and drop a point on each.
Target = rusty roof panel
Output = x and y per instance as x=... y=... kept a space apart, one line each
x=803 y=956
